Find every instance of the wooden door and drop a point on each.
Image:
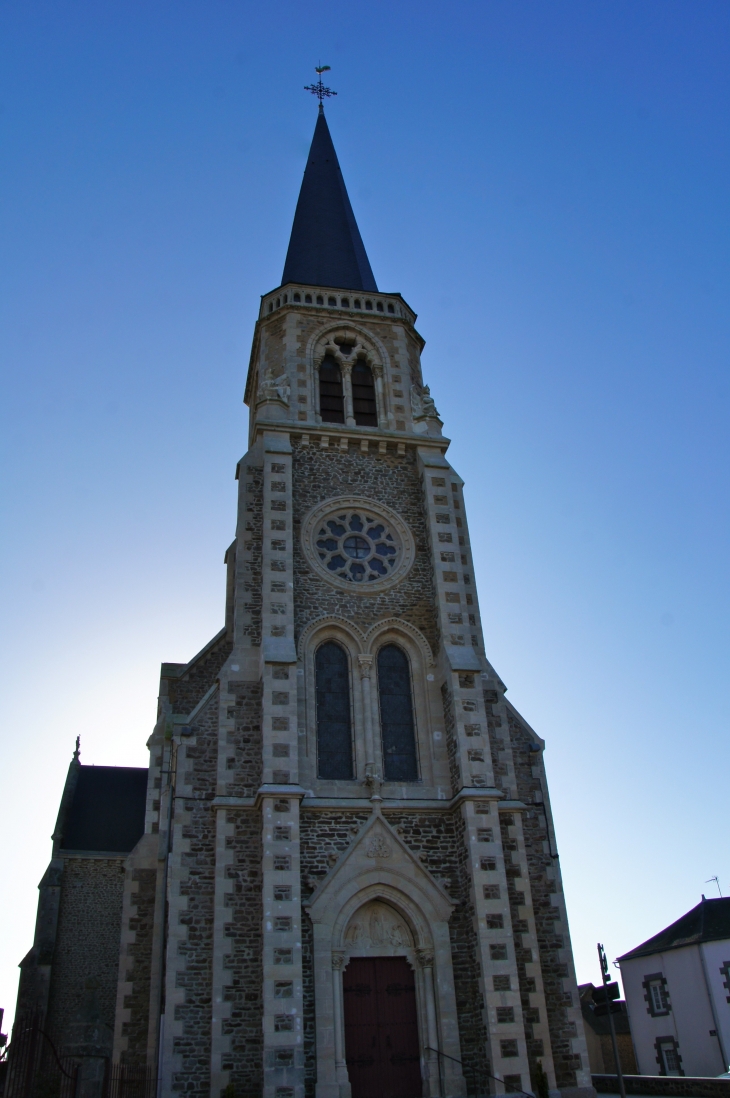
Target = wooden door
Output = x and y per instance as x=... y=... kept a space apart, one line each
x=381 y=1028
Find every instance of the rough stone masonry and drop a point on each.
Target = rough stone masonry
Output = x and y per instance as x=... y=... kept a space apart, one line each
x=337 y=776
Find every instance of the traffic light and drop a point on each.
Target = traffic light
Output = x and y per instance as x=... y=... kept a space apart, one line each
x=602 y=997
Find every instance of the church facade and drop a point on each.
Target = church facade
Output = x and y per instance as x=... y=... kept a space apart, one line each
x=345 y=879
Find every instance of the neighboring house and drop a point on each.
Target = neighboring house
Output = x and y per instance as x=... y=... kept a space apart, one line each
x=677 y=987
x=598 y=1036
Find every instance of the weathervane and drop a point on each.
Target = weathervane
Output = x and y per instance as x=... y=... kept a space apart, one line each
x=319 y=88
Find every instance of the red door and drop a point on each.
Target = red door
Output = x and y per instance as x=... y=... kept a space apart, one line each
x=381 y=1028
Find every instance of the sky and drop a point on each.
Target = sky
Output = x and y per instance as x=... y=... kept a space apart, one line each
x=546 y=183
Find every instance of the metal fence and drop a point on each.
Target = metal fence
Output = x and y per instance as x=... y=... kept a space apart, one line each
x=34 y=1068
x=130 y=1081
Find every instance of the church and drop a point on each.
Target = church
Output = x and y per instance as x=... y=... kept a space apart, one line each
x=339 y=876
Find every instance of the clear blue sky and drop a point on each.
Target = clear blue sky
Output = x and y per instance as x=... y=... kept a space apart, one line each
x=546 y=183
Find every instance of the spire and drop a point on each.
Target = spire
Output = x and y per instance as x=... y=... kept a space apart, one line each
x=325 y=247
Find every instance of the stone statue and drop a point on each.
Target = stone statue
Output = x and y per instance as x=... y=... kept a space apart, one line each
x=422 y=403
x=274 y=387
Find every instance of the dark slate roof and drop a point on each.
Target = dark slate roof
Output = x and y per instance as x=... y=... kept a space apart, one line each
x=325 y=248
x=107 y=809
x=708 y=922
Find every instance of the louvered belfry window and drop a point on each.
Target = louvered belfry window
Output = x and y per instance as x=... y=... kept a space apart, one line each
x=334 y=740
x=331 y=401
x=396 y=715
x=363 y=395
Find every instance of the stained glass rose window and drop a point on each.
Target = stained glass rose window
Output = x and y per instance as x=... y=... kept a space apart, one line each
x=358 y=544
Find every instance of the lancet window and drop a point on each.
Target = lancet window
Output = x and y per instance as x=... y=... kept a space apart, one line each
x=396 y=715
x=331 y=398
x=334 y=738
x=363 y=395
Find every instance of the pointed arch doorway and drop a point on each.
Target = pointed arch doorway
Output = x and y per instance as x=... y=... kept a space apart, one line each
x=382 y=1050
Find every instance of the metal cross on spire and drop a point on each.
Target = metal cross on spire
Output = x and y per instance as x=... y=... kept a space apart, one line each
x=319 y=88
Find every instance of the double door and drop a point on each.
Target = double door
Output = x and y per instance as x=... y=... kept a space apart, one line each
x=381 y=1028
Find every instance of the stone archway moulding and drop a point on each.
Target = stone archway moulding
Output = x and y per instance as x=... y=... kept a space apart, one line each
x=365 y=642
x=330 y=330
x=379 y=866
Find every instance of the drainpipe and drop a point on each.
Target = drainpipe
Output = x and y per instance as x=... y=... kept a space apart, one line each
x=712 y=1007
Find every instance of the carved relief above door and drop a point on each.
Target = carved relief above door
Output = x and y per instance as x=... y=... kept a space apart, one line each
x=377 y=927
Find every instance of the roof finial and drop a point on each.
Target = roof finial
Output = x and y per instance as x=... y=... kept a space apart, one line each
x=77 y=752
x=319 y=88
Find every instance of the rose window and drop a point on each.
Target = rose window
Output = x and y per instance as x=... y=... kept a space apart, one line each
x=357 y=546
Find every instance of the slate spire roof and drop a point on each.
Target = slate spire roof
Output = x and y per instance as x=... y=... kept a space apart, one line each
x=708 y=922
x=325 y=248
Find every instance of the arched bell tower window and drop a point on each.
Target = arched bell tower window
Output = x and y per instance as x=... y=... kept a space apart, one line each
x=331 y=400
x=396 y=715
x=363 y=395
x=334 y=740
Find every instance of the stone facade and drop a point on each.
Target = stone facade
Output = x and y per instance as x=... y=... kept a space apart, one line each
x=319 y=474
x=242 y=905
x=91 y=897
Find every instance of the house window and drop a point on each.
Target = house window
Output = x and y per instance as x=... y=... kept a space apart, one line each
x=331 y=402
x=656 y=994
x=363 y=395
x=668 y=1058
x=334 y=741
x=396 y=715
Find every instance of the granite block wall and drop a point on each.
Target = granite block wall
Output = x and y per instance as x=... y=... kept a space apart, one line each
x=91 y=898
x=141 y=923
x=545 y=883
x=393 y=480
x=244 y=930
x=244 y=743
x=437 y=839
x=196 y=888
x=186 y=691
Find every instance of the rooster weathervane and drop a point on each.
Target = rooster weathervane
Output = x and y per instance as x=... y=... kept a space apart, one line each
x=319 y=89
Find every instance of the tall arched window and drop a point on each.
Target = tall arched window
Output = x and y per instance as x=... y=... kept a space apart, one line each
x=334 y=741
x=396 y=715
x=331 y=402
x=363 y=395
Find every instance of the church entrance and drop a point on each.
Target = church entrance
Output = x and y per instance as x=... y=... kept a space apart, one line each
x=381 y=1028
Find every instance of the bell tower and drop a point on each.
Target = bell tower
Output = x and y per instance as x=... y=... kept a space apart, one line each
x=350 y=821
x=392 y=764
